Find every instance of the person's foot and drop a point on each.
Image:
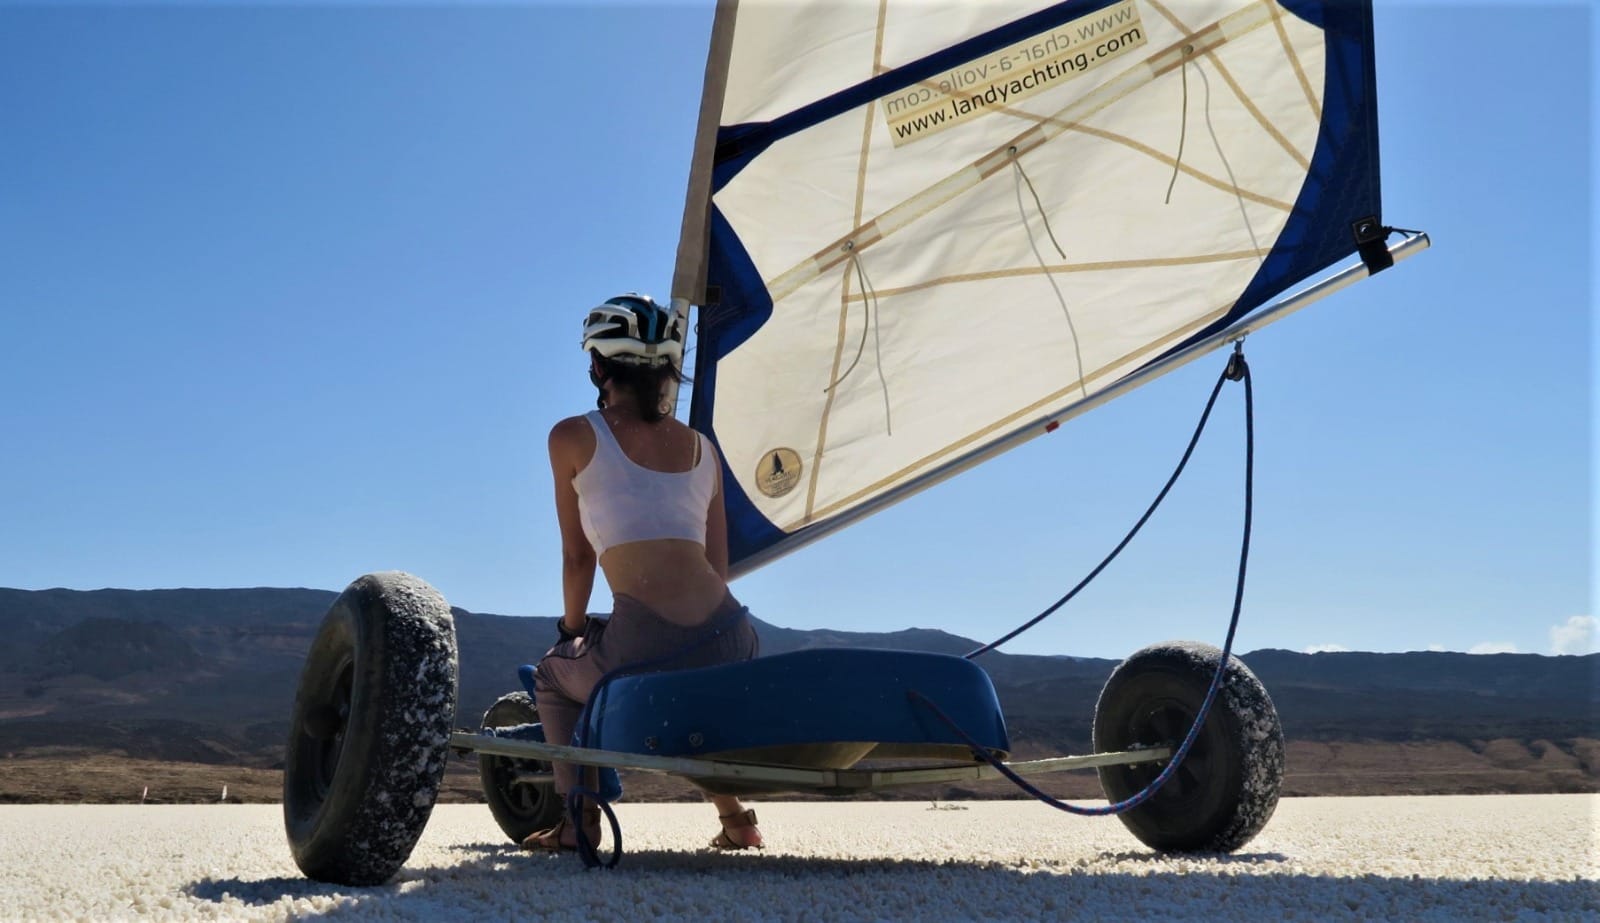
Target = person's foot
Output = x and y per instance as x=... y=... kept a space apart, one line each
x=738 y=831
x=563 y=836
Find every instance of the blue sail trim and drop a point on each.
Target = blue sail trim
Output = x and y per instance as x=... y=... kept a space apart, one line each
x=737 y=145
x=739 y=308
x=1341 y=187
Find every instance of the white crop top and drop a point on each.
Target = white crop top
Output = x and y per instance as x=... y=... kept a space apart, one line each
x=620 y=501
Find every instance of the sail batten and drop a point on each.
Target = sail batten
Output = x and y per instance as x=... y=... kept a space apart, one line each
x=928 y=225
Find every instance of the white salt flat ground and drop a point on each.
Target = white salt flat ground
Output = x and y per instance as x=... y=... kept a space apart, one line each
x=1528 y=857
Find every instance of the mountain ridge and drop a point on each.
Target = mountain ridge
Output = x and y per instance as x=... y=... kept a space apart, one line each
x=208 y=676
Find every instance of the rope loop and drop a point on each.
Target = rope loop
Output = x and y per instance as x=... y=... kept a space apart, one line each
x=587 y=851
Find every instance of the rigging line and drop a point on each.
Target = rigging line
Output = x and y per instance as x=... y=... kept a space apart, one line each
x=868 y=292
x=1254 y=243
x=1039 y=205
x=1237 y=370
x=869 y=318
x=1019 y=176
x=1183 y=123
x=865 y=320
x=1268 y=8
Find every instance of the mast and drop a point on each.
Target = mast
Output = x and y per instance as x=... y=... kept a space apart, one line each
x=689 y=272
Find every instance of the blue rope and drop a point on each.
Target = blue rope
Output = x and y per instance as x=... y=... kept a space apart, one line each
x=587 y=851
x=1237 y=370
x=1182 y=463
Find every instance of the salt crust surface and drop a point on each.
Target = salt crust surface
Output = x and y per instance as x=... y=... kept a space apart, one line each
x=1514 y=857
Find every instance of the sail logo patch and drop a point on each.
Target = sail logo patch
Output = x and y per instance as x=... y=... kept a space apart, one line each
x=778 y=472
x=1012 y=74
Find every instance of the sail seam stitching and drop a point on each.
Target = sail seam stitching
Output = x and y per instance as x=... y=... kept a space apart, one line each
x=1022 y=212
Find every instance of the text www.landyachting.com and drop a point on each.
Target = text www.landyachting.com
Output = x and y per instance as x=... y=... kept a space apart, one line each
x=1012 y=74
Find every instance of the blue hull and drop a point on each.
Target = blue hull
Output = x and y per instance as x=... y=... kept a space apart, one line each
x=800 y=707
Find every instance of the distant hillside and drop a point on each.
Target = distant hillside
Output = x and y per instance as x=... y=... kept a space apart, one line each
x=208 y=676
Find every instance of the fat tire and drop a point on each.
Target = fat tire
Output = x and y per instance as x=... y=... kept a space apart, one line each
x=1227 y=787
x=370 y=732
x=526 y=808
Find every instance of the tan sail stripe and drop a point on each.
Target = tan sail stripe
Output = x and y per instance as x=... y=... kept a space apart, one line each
x=997 y=160
x=1294 y=61
x=1238 y=91
x=786 y=283
x=1154 y=154
x=844 y=291
x=1206 y=178
x=1100 y=266
x=1001 y=424
x=1249 y=104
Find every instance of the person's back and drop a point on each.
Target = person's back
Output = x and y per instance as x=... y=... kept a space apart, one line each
x=645 y=498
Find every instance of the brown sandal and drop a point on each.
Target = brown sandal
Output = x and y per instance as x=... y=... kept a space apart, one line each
x=549 y=840
x=734 y=822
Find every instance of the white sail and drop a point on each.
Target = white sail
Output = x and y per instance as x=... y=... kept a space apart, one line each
x=920 y=225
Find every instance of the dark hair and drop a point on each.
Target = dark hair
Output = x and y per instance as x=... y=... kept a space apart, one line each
x=646 y=384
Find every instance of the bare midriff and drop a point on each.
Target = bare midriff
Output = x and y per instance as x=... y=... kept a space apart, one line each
x=671 y=576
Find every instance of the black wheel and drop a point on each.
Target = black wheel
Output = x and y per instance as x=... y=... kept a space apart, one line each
x=1227 y=786
x=370 y=732
x=521 y=793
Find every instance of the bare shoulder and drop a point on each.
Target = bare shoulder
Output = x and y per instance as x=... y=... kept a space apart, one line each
x=572 y=439
x=569 y=430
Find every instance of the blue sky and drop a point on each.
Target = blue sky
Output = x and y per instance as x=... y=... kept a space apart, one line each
x=292 y=293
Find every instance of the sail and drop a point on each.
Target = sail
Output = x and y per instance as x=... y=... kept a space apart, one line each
x=913 y=227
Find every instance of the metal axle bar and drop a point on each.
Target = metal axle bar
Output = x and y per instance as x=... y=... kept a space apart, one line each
x=853 y=779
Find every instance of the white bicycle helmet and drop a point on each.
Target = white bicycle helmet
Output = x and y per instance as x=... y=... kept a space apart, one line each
x=634 y=330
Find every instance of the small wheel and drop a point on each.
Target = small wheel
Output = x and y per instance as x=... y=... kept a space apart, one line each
x=1227 y=786
x=521 y=793
x=370 y=732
